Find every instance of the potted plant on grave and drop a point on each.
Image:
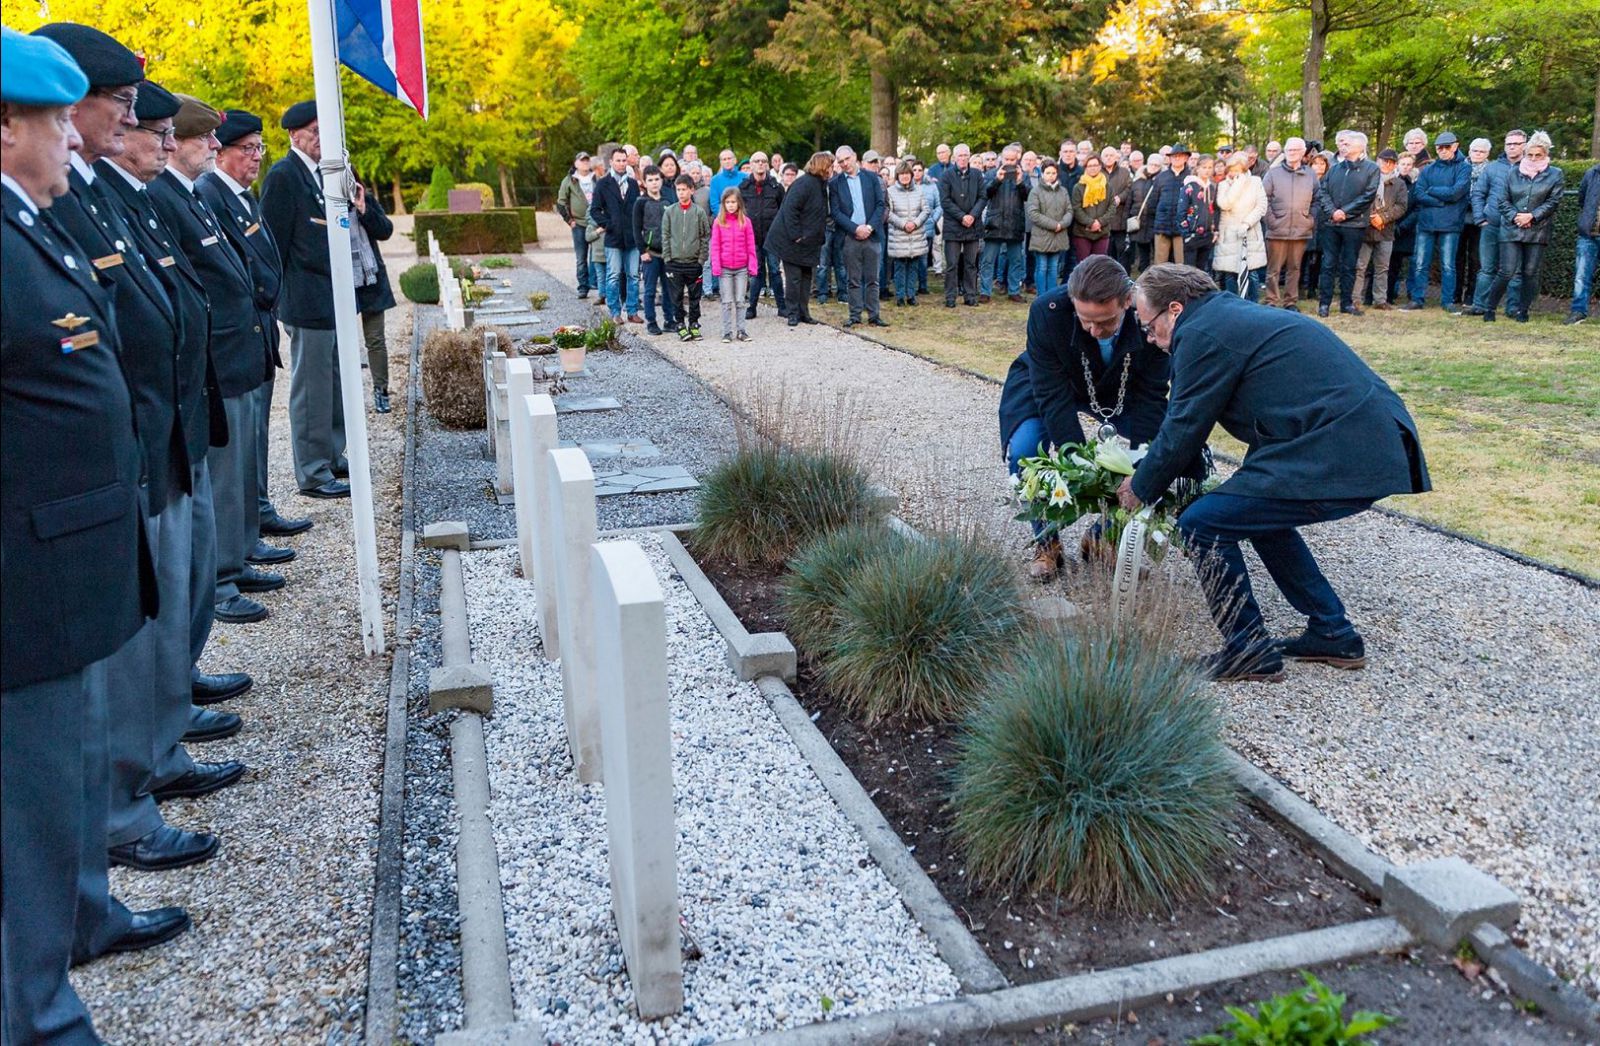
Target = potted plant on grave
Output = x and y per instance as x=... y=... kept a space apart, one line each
x=571 y=343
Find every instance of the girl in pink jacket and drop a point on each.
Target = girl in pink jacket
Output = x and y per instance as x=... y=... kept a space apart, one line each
x=733 y=260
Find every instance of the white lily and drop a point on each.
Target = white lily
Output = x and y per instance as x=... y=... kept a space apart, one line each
x=1113 y=458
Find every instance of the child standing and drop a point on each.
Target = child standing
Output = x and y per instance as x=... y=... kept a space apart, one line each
x=733 y=260
x=647 y=211
x=685 y=243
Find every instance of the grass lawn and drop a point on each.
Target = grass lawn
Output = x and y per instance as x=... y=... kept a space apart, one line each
x=1509 y=413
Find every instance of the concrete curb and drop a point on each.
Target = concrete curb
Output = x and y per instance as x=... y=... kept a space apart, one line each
x=460 y=682
x=1103 y=993
x=957 y=947
x=480 y=545
x=764 y=653
x=1556 y=999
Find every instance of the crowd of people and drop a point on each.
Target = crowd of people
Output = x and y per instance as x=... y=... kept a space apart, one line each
x=1287 y=223
x=144 y=287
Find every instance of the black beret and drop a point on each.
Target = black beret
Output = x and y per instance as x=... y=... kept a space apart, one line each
x=155 y=102
x=103 y=60
x=236 y=124
x=298 y=115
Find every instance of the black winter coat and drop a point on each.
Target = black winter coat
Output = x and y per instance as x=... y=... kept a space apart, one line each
x=253 y=240
x=1349 y=186
x=1538 y=196
x=376 y=296
x=1005 y=217
x=292 y=207
x=1166 y=202
x=762 y=202
x=801 y=223
x=962 y=193
x=612 y=210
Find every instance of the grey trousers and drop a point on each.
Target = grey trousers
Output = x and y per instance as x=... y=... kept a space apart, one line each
x=202 y=563
x=53 y=849
x=235 y=494
x=1377 y=255
x=148 y=691
x=372 y=334
x=264 y=506
x=316 y=412
x=861 y=266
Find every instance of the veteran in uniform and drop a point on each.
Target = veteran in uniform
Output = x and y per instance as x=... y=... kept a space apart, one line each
x=76 y=577
x=292 y=208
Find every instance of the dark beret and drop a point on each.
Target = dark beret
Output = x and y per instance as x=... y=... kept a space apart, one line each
x=236 y=124
x=155 y=102
x=104 y=61
x=298 y=115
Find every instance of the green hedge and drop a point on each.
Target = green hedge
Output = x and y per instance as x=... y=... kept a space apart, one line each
x=420 y=283
x=530 y=223
x=483 y=232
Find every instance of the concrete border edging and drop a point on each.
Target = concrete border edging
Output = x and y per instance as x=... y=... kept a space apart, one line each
x=966 y=958
x=460 y=682
x=750 y=656
x=1104 y=992
x=1531 y=981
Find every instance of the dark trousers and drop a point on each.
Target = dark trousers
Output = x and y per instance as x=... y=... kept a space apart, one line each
x=684 y=281
x=1142 y=251
x=580 y=251
x=1516 y=259
x=1214 y=526
x=1468 y=264
x=377 y=343
x=654 y=276
x=769 y=274
x=799 y=278
x=961 y=269
x=1341 y=246
x=862 y=263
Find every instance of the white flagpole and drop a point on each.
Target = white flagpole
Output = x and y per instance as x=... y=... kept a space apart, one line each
x=330 y=122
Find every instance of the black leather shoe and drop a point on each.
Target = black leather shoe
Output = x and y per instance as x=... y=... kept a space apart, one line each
x=148 y=929
x=240 y=610
x=380 y=402
x=341 y=470
x=794 y=321
x=204 y=779
x=278 y=527
x=1263 y=665
x=166 y=847
x=1322 y=310
x=810 y=320
x=268 y=555
x=208 y=689
x=750 y=313
x=332 y=489
x=1348 y=653
x=206 y=725
x=253 y=580
x=876 y=322
x=852 y=323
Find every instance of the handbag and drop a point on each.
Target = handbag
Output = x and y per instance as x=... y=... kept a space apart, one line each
x=1134 y=222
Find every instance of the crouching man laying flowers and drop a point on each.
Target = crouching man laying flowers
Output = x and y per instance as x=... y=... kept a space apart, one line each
x=1085 y=354
x=1326 y=438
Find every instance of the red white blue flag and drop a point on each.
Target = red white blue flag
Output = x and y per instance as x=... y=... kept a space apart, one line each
x=382 y=41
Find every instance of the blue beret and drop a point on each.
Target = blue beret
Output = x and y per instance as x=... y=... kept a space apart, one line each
x=298 y=115
x=103 y=60
x=237 y=124
x=155 y=102
x=36 y=71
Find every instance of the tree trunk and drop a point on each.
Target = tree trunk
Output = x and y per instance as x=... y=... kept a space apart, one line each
x=885 y=114
x=1311 y=72
x=506 y=199
x=399 y=195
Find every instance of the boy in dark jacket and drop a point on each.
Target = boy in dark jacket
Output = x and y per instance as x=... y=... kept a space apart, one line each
x=647 y=234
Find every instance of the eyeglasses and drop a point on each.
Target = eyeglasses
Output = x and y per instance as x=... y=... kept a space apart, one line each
x=125 y=100
x=250 y=150
x=168 y=135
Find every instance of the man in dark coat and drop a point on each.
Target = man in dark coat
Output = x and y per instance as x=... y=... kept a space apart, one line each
x=856 y=202
x=1167 y=209
x=1085 y=354
x=1344 y=202
x=1325 y=436
x=763 y=197
x=1005 y=221
x=611 y=209
x=962 y=200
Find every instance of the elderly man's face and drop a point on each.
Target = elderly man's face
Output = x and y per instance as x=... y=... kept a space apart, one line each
x=943 y=153
x=242 y=159
x=1387 y=166
x=1274 y=150
x=1136 y=159
x=759 y=166
x=1084 y=151
x=1109 y=157
x=195 y=155
x=148 y=150
x=583 y=164
x=1448 y=152
x=727 y=159
x=103 y=119
x=963 y=157
x=1415 y=143
x=847 y=161
x=308 y=140
x=1294 y=153
x=39 y=142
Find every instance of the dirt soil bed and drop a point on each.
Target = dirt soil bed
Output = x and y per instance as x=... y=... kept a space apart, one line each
x=1269 y=884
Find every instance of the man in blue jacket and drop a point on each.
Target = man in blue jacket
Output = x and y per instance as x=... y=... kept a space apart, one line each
x=1439 y=200
x=1487 y=219
x=1326 y=438
x=855 y=203
x=1588 y=245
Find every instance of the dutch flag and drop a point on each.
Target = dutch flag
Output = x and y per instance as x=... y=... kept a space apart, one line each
x=382 y=41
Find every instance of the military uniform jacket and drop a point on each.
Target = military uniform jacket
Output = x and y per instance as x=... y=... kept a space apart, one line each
x=238 y=337
x=243 y=226
x=148 y=326
x=201 y=417
x=76 y=577
x=292 y=209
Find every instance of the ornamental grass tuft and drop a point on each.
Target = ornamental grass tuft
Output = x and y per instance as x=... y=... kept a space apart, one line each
x=452 y=375
x=1094 y=768
x=920 y=626
x=764 y=502
x=818 y=575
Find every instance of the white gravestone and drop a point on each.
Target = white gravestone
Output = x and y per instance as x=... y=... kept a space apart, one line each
x=541 y=419
x=499 y=419
x=519 y=386
x=491 y=345
x=571 y=487
x=630 y=632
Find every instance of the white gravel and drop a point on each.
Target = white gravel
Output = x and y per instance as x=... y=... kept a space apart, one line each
x=796 y=921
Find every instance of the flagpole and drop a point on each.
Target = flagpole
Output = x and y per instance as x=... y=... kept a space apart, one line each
x=330 y=123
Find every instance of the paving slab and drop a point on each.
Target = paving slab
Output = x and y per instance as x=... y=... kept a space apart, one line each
x=577 y=404
x=615 y=448
x=647 y=479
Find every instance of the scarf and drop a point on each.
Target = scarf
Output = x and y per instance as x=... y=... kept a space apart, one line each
x=1531 y=168
x=364 y=260
x=1094 y=188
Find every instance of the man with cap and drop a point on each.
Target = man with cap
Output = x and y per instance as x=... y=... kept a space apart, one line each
x=239 y=356
x=226 y=187
x=292 y=210
x=572 y=204
x=1439 y=201
x=76 y=580
x=1167 y=208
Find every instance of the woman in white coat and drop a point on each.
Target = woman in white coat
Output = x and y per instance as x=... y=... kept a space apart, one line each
x=1241 y=251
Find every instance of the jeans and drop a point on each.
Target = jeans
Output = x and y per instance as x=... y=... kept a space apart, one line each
x=622 y=263
x=922 y=269
x=1252 y=283
x=861 y=266
x=1341 y=245
x=655 y=276
x=1014 y=257
x=960 y=269
x=1212 y=528
x=1028 y=440
x=1047 y=271
x=580 y=252
x=597 y=275
x=1583 y=273
x=905 y=277
x=831 y=277
x=770 y=274
x=1489 y=267
x=1516 y=257
x=1429 y=243
x=1376 y=255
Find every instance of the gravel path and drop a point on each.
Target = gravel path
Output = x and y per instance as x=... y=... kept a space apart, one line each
x=795 y=919
x=1469 y=734
x=282 y=915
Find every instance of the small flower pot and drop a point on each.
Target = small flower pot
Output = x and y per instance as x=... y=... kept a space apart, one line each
x=571 y=360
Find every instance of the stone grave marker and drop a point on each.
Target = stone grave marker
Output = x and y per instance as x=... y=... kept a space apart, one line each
x=630 y=634
x=571 y=404
x=465 y=201
x=534 y=542
x=491 y=345
x=571 y=486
